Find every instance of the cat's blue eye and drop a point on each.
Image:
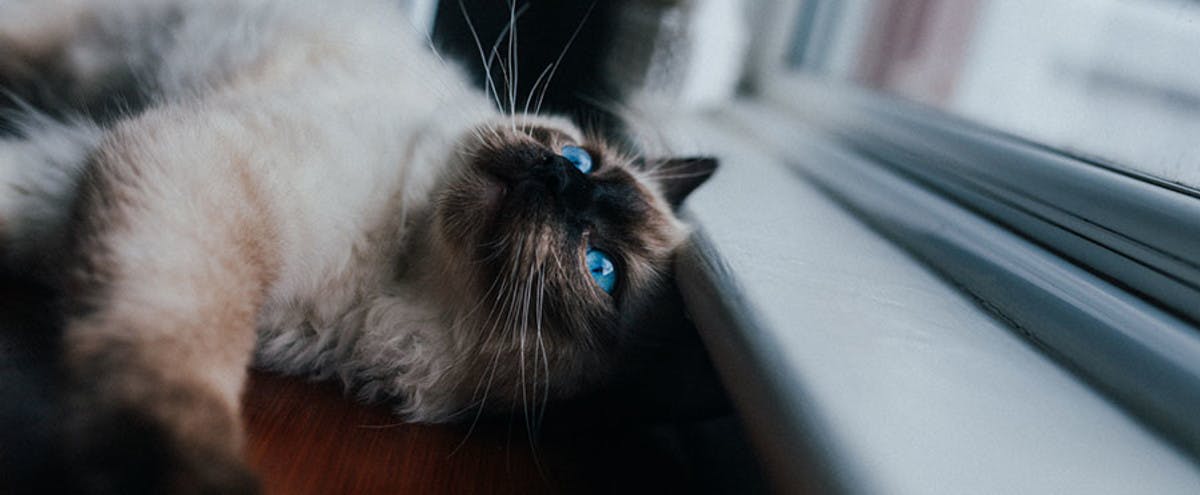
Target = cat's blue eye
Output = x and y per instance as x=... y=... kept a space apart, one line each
x=604 y=272
x=578 y=157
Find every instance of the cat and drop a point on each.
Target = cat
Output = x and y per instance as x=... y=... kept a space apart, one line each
x=306 y=187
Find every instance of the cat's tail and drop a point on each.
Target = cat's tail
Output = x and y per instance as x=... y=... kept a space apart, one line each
x=41 y=164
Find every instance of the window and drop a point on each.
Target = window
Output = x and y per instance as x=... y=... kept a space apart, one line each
x=1038 y=156
x=1111 y=79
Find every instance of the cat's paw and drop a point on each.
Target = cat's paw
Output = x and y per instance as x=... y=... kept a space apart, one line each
x=124 y=452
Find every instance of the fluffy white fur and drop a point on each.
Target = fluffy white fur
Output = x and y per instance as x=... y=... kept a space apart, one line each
x=346 y=112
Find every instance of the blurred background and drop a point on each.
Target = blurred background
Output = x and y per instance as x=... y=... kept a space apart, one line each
x=599 y=55
x=1114 y=80
x=1111 y=80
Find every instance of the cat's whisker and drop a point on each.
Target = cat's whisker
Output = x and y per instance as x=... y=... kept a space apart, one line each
x=494 y=54
x=483 y=299
x=526 y=394
x=482 y=131
x=495 y=135
x=447 y=67
x=488 y=135
x=512 y=63
x=533 y=90
x=545 y=88
x=491 y=375
x=497 y=250
x=509 y=318
x=485 y=133
x=496 y=304
x=506 y=314
x=489 y=82
x=496 y=89
x=512 y=309
x=479 y=136
x=566 y=48
x=542 y=346
x=521 y=353
x=479 y=406
x=514 y=315
x=505 y=77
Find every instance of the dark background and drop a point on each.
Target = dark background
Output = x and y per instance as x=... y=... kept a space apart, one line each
x=543 y=32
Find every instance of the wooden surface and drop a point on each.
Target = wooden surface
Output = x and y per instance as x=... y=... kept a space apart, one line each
x=306 y=438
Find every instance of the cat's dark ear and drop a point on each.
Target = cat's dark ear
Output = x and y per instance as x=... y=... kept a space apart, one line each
x=678 y=177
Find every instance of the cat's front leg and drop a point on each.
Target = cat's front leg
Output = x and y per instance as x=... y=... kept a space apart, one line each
x=168 y=271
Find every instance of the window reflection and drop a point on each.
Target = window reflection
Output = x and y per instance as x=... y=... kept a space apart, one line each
x=1114 y=79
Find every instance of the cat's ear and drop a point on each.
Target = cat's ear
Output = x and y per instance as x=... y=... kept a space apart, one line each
x=678 y=177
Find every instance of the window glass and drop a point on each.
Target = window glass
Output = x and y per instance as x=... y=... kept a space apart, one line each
x=1117 y=80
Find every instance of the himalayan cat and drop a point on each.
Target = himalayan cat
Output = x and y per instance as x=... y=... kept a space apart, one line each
x=305 y=186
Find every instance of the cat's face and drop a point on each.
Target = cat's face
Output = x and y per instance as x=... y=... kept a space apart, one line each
x=553 y=242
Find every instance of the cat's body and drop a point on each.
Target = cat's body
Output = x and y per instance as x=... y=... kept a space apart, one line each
x=304 y=183
x=291 y=121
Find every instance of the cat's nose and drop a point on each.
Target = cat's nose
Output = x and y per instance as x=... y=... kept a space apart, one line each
x=565 y=182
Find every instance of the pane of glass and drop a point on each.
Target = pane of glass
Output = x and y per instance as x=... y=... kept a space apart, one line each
x=1118 y=80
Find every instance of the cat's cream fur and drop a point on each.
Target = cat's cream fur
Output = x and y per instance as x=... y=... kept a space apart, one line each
x=307 y=185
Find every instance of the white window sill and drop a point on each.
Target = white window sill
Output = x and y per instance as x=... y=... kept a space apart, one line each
x=856 y=369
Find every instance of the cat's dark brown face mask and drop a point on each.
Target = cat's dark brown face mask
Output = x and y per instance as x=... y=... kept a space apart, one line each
x=562 y=242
